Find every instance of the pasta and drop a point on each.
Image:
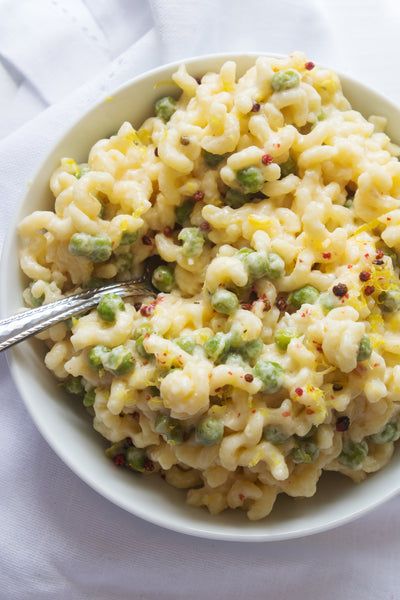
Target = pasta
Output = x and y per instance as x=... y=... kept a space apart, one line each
x=270 y=352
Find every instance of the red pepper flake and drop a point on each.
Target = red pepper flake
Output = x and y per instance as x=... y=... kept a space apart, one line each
x=349 y=266
x=266 y=159
x=340 y=290
x=388 y=218
x=342 y=423
x=253 y=411
x=147 y=310
x=368 y=290
x=299 y=391
x=256 y=107
x=119 y=460
x=366 y=255
x=198 y=196
x=326 y=255
x=309 y=65
x=267 y=305
x=242 y=497
x=364 y=275
x=205 y=226
x=168 y=231
x=156 y=151
x=281 y=303
x=286 y=413
x=147 y=241
x=246 y=306
x=379 y=254
x=148 y=465
x=248 y=377
x=309 y=411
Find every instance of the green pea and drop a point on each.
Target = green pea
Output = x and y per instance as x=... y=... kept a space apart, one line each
x=170 y=428
x=274 y=435
x=128 y=237
x=182 y=212
x=252 y=350
x=35 y=301
x=209 y=431
x=118 y=448
x=165 y=108
x=235 y=198
x=390 y=433
x=250 y=179
x=289 y=167
x=328 y=301
x=364 y=349
x=187 y=343
x=224 y=301
x=124 y=262
x=275 y=266
x=135 y=459
x=283 y=337
x=142 y=330
x=235 y=337
x=244 y=252
x=118 y=361
x=305 y=295
x=163 y=278
x=89 y=398
x=285 y=80
x=96 y=248
x=255 y=263
x=96 y=356
x=109 y=306
x=213 y=160
x=234 y=359
x=305 y=452
x=216 y=346
x=193 y=241
x=390 y=300
x=74 y=385
x=140 y=349
x=271 y=375
x=82 y=169
x=353 y=454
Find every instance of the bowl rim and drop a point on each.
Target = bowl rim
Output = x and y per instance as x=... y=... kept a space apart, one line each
x=141 y=511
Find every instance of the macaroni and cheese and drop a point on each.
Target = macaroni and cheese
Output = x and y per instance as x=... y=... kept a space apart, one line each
x=271 y=209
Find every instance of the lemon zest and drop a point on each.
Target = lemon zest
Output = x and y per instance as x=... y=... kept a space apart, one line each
x=258 y=455
x=366 y=227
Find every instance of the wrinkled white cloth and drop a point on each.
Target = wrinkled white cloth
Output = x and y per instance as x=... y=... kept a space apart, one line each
x=59 y=539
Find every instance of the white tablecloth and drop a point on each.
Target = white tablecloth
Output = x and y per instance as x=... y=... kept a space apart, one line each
x=58 y=538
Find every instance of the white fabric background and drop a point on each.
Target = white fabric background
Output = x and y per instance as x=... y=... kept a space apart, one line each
x=58 y=538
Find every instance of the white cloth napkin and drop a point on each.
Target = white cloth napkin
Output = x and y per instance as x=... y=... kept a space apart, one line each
x=59 y=539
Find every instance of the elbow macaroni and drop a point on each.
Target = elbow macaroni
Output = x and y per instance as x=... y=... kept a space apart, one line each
x=328 y=219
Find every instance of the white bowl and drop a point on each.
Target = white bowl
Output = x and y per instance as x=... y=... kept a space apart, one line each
x=67 y=428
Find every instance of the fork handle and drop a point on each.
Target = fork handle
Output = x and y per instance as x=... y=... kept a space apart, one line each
x=18 y=327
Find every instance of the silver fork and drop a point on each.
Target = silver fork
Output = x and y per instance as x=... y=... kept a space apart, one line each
x=18 y=327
